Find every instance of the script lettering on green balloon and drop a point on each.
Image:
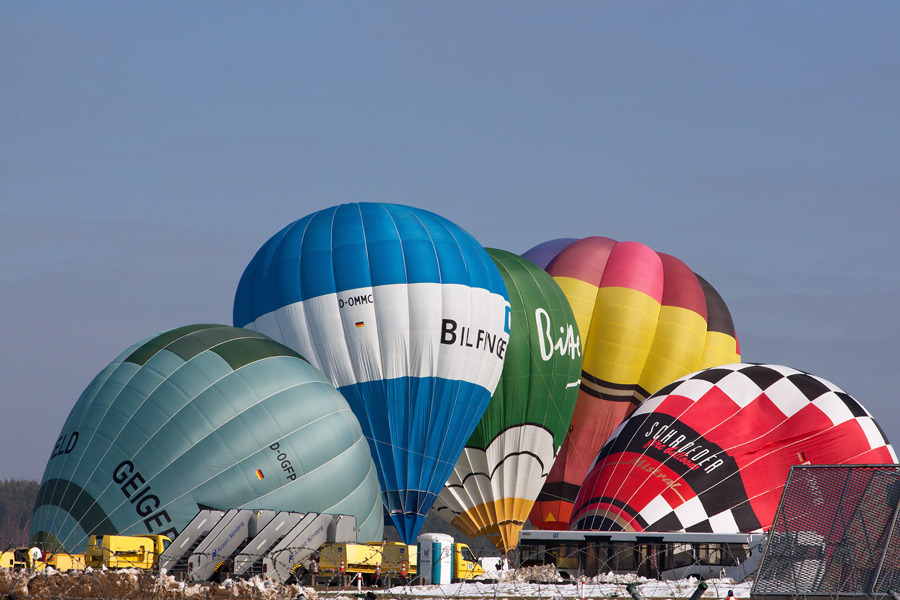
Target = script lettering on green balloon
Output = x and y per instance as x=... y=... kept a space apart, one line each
x=566 y=343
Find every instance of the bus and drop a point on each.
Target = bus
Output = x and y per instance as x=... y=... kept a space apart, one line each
x=655 y=555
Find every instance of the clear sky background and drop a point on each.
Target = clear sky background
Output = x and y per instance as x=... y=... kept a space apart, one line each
x=147 y=150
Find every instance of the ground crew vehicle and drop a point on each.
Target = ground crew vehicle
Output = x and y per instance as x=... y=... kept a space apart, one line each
x=465 y=564
x=394 y=560
x=34 y=559
x=336 y=559
x=124 y=551
x=22 y=558
x=399 y=560
x=65 y=562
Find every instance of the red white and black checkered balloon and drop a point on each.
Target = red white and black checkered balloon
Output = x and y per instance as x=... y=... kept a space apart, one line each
x=712 y=451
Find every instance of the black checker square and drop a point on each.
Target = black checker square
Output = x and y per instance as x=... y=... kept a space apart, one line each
x=745 y=517
x=855 y=407
x=761 y=375
x=713 y=375
x=809 y=386
x=703 y=526
x=665 y=391
x=670 y=522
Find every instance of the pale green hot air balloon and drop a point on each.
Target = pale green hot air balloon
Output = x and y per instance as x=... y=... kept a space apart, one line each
x=204 y=416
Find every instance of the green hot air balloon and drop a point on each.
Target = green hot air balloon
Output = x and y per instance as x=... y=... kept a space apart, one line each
x=204 y=416
x=506 y=460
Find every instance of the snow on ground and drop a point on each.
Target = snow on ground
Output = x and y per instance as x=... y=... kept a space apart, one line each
x=523 y=582
x=718 y=588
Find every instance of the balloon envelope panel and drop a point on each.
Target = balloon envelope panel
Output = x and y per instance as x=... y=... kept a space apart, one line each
x=406 y=314
x=204 y=416
x=506 y=460
x=645 y=320
x=543 y=253
x=712 y=451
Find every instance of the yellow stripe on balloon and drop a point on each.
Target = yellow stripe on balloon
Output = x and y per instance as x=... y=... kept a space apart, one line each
x=582 y=296
x=720 y=349
x=677 y=348
x=621 y=335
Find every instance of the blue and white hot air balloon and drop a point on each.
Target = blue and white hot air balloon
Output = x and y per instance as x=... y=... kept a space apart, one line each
x=407 y=315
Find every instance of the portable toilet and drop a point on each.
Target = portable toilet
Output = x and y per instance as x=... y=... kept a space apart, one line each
x=435 y=558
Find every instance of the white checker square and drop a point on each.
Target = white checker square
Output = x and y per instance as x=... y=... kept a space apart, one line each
x=740 y=388
x=724 y=523
x=693 y=389
x=656 y=510
x=691 y=512
x=648 y=405
x=876 y=440
x=833 y=407
x=787 y=397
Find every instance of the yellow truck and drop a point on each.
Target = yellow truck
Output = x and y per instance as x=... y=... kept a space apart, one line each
x=399 y=560
x=34 y=559
x=465 y=564
x=66 y=562
x=396 y=560
x=124 y=551
x=335 y=559
x=22 y=558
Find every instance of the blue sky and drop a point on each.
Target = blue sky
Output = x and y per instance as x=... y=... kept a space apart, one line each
x=148 y=149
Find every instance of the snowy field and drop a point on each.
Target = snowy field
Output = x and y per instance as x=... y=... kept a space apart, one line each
x=135 y=584
x=521 y=584
x=718 y=588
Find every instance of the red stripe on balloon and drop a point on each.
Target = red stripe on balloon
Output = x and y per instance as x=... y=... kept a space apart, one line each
x=635 y=266
x=682 y=288
x=584 y=259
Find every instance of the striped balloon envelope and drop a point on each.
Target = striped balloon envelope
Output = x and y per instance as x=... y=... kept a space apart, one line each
x=712 y=451
x=203 y=416
x=407 y=315
x=645 y=319
x=502 y=468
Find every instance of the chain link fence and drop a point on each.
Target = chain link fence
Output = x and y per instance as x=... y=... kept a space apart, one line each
x=835 y=534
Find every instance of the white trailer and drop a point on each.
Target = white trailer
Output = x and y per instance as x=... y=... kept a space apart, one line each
x=224 y=539
x=174 y=558
x=249 y=561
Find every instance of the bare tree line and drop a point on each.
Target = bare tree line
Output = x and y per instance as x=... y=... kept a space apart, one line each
x=17 y=498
